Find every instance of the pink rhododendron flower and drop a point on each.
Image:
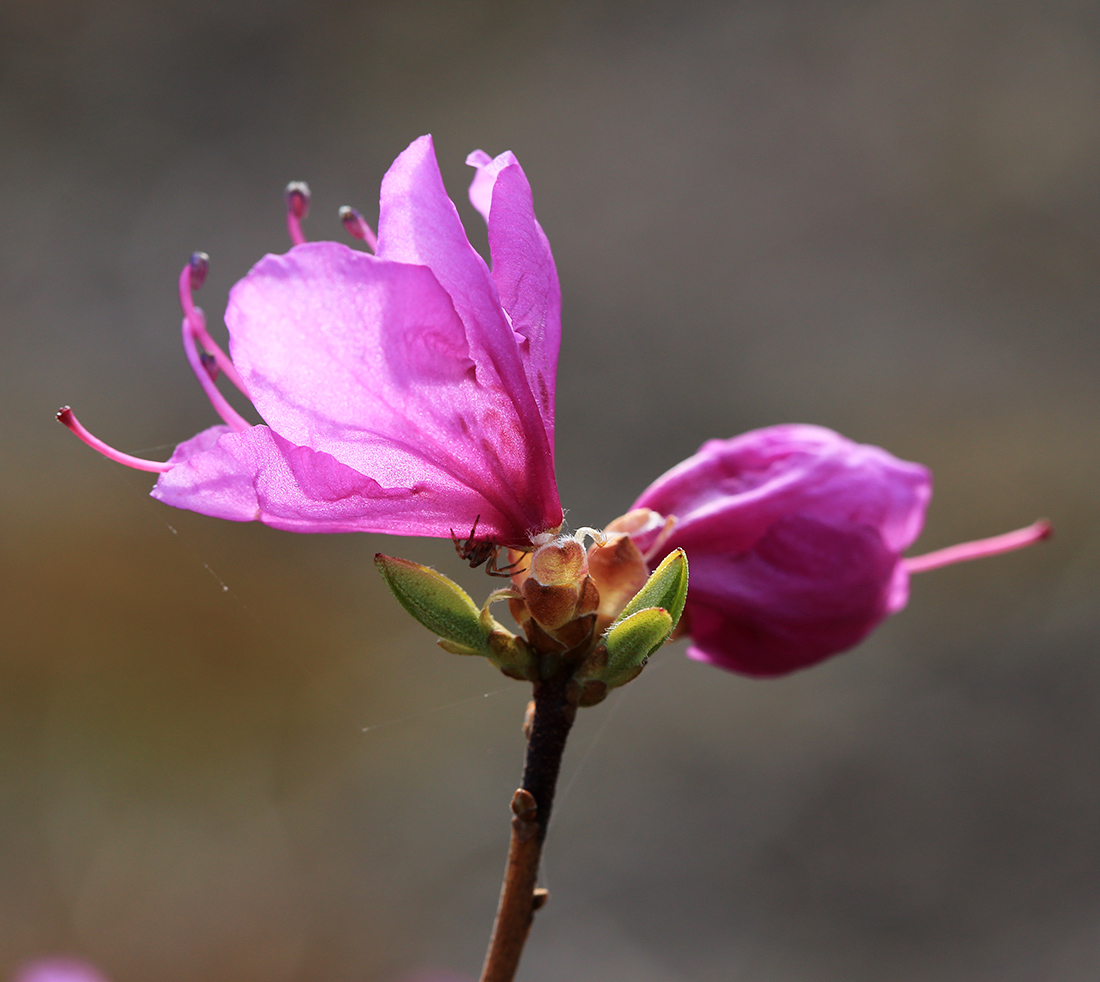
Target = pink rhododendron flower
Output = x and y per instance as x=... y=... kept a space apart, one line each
x=57 y=970
x=409 y=392
x=794 y=537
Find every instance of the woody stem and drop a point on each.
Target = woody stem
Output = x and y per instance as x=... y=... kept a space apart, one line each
x=531 y=804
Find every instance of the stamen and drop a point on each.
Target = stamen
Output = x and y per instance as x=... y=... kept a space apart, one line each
x=357 y=226
x=297 y=208
x=234 y=420
x=67 y=417
x=598 y=536
x=198 y=267
x=980 y=548
x=191 y=278
x=210 y=363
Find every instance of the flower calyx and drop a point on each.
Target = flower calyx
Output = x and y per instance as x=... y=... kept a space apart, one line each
x=555 y=600
x=571 y=630
x=597 y=615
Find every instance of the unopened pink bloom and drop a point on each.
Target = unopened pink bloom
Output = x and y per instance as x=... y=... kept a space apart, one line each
x=408 y=392
x=794 y=537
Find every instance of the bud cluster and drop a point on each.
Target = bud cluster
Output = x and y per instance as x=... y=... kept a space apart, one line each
x=591 y=616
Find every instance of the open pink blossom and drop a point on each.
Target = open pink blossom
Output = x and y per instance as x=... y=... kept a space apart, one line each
x=794 y=537
x=409 y=392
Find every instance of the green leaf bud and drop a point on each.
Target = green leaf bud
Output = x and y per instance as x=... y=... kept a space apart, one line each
x=666 y=587
x=631 y=641
x=438 y=603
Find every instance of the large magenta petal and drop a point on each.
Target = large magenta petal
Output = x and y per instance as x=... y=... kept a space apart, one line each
x=368 y=361
x=729 y=493
x=523 y=270
x=259 y=475
x=419 y=224
x=808 y=589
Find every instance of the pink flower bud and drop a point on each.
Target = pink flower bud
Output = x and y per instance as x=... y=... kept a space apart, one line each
x=558 y=592
x=794 y=536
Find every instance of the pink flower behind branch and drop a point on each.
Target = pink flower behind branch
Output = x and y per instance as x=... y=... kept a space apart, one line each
x=58 y=969
x=408 y=392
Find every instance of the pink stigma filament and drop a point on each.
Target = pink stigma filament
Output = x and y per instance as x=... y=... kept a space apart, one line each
x=980 y=548
x=357 y=226
x=297 y=208
x=66 y=416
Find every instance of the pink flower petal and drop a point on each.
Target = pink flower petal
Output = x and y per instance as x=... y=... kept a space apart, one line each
x=58 y=969
x=418 y=223
x=259 y=475
x=806 y=589
x=729 y=493
x=397 y=396
x=367 y=360
x=481 y=187
x=523 y=270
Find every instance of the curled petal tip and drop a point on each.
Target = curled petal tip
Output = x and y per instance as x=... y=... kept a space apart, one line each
x=199 y=266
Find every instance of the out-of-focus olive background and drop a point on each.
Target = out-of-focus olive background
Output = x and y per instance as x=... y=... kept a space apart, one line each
x=227 y=755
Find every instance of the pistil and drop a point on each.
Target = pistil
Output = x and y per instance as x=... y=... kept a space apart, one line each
x=980 y=548
x=66 y=416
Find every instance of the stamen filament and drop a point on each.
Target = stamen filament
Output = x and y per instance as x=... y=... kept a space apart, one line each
x=980 y=548
x=357 y=226
x=67 y=417
x=297 y=208
x=191 y=279
x=234 y=420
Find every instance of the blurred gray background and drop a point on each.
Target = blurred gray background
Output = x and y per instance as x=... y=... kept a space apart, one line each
x=224 y=752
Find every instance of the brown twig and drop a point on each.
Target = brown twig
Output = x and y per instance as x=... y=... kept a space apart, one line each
x=531 y=806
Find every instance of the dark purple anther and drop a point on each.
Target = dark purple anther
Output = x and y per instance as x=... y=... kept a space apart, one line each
x=352 y=220
x=297 y=198
x=357 y=225
x=210 y=363
x=199 y=266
